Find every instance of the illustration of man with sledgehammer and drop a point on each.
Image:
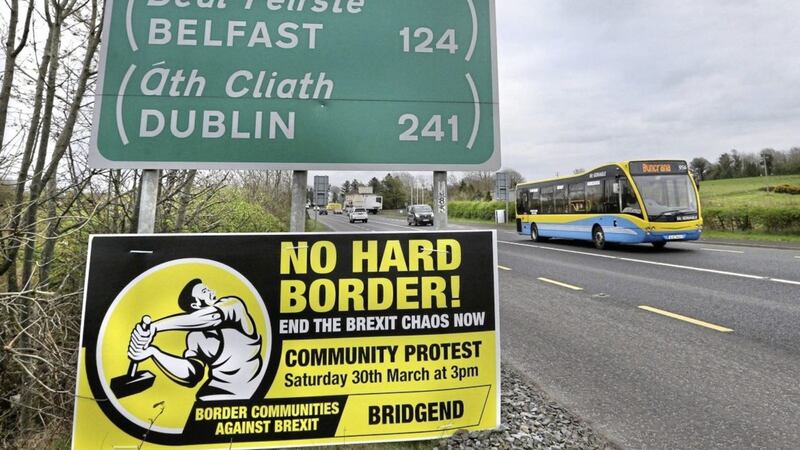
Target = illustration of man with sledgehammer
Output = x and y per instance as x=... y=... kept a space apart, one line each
x=221 y=338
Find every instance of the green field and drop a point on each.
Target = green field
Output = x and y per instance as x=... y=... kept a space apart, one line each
x=743 y=208
x=748 y=192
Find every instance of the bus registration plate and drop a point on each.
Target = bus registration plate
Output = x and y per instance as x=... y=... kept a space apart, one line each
x=673 y=237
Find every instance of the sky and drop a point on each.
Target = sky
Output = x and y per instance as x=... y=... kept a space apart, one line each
x=584 y=82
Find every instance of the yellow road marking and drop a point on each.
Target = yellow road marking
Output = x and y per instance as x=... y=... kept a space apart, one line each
x=686 y=319
x=558 y=283
x=503 y=267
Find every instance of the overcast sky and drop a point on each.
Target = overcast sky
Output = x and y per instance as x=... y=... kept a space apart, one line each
x=588 y=82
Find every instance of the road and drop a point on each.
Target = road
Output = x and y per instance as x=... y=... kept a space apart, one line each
x=693 y=346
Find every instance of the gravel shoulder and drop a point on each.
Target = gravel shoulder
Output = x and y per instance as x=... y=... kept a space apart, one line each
x=529 y=420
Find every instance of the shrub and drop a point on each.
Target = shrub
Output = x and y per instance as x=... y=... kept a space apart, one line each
x=479 y=210
x=785 y=188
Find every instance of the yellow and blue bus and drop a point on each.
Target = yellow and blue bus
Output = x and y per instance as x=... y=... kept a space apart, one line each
x=628 y=202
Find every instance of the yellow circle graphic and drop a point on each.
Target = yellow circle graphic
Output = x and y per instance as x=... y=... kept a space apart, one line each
x=205 y=340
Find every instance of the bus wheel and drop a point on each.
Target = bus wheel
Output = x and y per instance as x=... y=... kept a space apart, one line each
x=661 y=244
x=534 y=233
x=598 y=237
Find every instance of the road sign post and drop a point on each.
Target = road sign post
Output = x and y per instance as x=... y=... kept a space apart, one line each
x=147 y=202
x=299 y=85
x=297 y=219
x=440 y=200
x=501 y=191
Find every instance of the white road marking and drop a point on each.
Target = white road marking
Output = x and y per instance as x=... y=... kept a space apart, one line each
x=696 y=269
x=558 y=283
x=558 y=249
x=720 y=250
x=503 y=267
x=656 y=263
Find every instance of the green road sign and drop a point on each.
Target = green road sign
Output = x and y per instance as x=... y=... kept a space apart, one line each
x=298 y=84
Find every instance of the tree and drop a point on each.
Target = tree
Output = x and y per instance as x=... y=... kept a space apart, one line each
x=393 y=191
x=700 y=167
x=346 y=187
x=375 y=184
x=767 y=160
x=725 y=166
x=514 y=178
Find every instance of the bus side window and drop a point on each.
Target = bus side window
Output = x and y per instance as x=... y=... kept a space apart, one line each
x=560 y=203
x=594 y=196
x=577 y=201
x=547 y=200
x=533 y=204
x=522 y=202
x=611 y=202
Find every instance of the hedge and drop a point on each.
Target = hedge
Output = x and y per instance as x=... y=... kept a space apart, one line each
x=773 y=220
x=479 y=210
x=786 y=188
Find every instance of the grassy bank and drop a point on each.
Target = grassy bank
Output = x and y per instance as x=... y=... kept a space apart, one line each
x=748 y=208
x=748 y=193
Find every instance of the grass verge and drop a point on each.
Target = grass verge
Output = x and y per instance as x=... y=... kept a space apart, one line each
x=750 y=236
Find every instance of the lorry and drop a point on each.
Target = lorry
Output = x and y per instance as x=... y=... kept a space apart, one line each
x=371 y=202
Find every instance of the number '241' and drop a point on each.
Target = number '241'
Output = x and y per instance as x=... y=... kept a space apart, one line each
x=432 y=129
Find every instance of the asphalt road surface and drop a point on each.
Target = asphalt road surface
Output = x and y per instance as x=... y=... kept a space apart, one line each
x=693 y=346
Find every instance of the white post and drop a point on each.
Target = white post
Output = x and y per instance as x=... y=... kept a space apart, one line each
x=440 y=200
x=297 y=218
x=148 y=202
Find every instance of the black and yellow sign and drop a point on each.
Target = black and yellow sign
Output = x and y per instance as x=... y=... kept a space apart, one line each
x=273 y=340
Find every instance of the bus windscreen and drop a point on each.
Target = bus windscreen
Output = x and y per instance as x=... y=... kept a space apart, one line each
x=668 y=198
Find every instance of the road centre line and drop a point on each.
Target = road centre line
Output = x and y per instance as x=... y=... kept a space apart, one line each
x=558 y=249
x=720 y=250
x=558 y=283
x=656 y=263
x=697 y=269
x=686 y=319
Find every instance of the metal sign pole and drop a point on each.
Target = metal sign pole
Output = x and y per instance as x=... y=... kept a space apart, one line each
x=147 y=202
x=506 y=216
x=440 y=200
x=297 y=219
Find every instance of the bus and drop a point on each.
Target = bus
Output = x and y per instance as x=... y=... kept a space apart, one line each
x=628 y=202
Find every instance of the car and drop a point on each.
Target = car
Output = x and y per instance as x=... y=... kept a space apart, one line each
x=419 y=215
x=358 y=214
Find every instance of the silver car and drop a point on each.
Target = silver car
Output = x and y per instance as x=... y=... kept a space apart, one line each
x=358 y=214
